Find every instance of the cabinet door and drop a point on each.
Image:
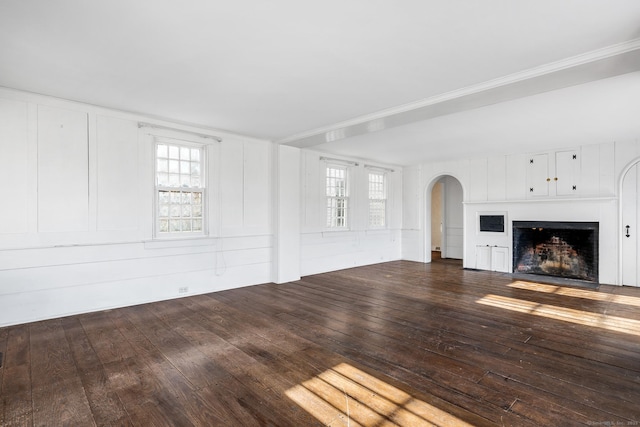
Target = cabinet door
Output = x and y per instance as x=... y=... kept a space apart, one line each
x=500 y=259
x=483 y=257
x=567 y=172
x=538 y=175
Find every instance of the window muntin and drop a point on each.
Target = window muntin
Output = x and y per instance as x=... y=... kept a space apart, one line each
x=377 y=200
x=180 y=189
x=337 y=193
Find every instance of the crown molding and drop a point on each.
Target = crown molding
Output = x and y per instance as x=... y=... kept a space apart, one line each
x=336 y=130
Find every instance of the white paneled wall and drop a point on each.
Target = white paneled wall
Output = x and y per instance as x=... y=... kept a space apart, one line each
x=478 y=174
x=77 y=224
x=287 y=214
x=115 y=152
x=325 y=249
x=76 y=227
x=502 y=184
x=413 y=248
x=63 y=170
x=245 y=187
x=497 y=178
x=15 y=167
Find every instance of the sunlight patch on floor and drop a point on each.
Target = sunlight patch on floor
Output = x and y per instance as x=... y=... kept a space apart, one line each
x=347 y=396
x=580 y=317
x=576 y=293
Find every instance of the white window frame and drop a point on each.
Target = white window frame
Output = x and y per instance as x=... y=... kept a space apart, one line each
x=332 y=221
x=201 y=189
x=377 y=200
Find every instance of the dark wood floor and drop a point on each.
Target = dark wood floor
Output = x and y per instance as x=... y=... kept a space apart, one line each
x=399 y=343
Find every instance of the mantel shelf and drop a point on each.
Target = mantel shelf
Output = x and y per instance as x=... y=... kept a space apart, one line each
x=545 y=200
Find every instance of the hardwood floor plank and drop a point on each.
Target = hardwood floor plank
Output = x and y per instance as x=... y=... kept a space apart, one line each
x=398 y=343
x=212 y=375
x=323 y=359
x=545 y=403
x=472 y=350
x=244 y=359
x=106 y=340
x=17 y=408
x=181 y=353
x=382 y=362
x=4 y=333
x=57 y=392
x=163 y=413
x=106 y=407
x=456 y=323
x=15 y=377
x=16 y=352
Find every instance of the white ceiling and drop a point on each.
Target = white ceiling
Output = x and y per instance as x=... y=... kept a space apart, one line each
x=305 y=73
x=592 y=113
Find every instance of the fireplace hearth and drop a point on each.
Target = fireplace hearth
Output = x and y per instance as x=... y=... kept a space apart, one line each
x=566 y=250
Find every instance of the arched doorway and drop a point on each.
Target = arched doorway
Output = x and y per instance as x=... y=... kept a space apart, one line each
x=629 y=222
x=445 y=219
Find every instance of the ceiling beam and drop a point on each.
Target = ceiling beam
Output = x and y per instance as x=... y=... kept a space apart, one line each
x=603 y=63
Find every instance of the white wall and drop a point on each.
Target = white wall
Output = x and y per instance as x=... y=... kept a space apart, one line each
x=502 y=184
x=76 y=228
x=327 y=250
x=413 y=241
x=287 y=214
x=76 y=231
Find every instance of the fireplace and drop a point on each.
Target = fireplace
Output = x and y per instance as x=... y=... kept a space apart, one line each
x=560 y=249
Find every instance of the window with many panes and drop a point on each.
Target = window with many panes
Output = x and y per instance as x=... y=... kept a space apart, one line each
x=180 y=189
x=337 y=193
x=377 y=200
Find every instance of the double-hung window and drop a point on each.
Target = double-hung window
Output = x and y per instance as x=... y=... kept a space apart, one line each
x=180 y=188
x=377 y=199
x=337 y=193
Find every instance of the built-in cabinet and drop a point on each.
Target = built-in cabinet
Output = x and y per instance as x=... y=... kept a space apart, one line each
x=553 y=174
x=493 y=258
x=584 y=171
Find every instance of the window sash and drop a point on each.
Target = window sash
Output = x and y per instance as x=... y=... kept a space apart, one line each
x=377 y=213
x=180 y=210
x=337 y=212
x=179 y=165
x=336 y=182
x=377 y=200
x=337 y=193
x=180 y=190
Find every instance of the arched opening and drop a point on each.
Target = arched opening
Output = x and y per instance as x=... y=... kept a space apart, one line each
x=445 y=219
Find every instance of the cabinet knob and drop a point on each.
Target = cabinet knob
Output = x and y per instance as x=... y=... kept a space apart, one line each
x=548 y=179
x=555 y=179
